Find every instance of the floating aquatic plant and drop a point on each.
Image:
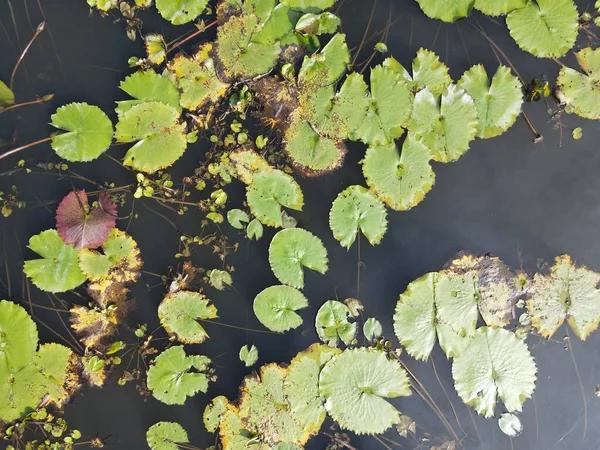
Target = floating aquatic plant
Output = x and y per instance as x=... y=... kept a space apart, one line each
x=179 y=313
x=276 y=306
x=581 y=91
x=249 y=355
x=148 y=86
x=332 y=324
x=166 y=436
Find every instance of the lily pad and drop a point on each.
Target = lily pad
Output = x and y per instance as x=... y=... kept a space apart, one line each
x=58 y=269
x=401 y=181
x=22 y=391
x=53 y=361
x=88 y=132
x=356 y=383
x=326 y=67
x=568 y=293
x=317 y=24
x=498 y=102
x=94 y=328
x=510 y=424
x=174 y=376
x=213 y=413
x=495 y=365
x=332 y=324
x=293 y=249
x=249 y=355
x=7 y=97
x=498 y=7
x=156 y=48
x=166 y=436
x=429 y=72
x=179 y=12
x=276 y=306
x=18 y=336
x=309 y=5
x=82 y=226
x=237 y=218
x=372 y=329
x=582 y=90
x=357 y=209
x=269 y=191
x=248 y=163
x=545 y=28
x=446 y=10
x=148 y=86
x=158 y=135
x=179 y=313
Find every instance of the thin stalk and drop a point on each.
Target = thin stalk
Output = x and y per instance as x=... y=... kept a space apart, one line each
x=364 y=38
x=32 y=102
x=339 y=441
x=585 y=412
x=193 y=35
x=18 y=149
x=39 y=29
x=235 y=326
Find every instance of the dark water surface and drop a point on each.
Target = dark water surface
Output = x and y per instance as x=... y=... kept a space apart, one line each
x=506 y=196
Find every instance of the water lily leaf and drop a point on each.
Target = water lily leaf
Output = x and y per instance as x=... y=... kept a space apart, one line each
x=309 y=5
x=276 y=306
x=260 y=8
x=498 y=103
x=301 y=386
x=357 y=209
x=21 y=391
x=219 y=279
x=372 y=329
x=58 y=269
x=213 y=413
x=389 y=109
x=269 y=191
x=437 y=304
x=326 y=67
x=545 y=28
x=82 y=226
x=148 y=86
x=317 y=24
x=158 y=135
x=429 y=72
x=311 y=154
x=237 y=56
x=18 y=336
x=249 y=355
x=265 y=409
x=232 y=432
x=179 y=12
x=446 y=10
x=166 y=436
x=510 y=424
x=53 y=361
x=94 y=328
x=156 y=48
x=278 y=23
x=237 y=218
x=570 y=293
x=293 y=249
x=495 y=365
x=7 y=97
x=582 y=90
x=88 y=132
x=179 y=313
x=248 y=163
x=446 y=127
x=356 y=383
x=174 y=376
x=196 y=77
x=401 y=181
x=332 y=324
x=498 y=7
x=255 y=230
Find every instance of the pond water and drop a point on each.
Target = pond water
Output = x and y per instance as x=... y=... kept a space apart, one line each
x=507 y=196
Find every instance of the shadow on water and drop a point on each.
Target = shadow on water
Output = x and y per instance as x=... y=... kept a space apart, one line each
x=506 y=196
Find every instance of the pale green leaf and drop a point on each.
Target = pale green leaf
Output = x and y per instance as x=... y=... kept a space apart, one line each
x=372 y=329
x=309 y=5
x=53 y=361
x=119 y=249
x=7 y=97
x=581 y=91
x=18 y=336
x=219 y=279
x=332 y=324
x=317 y=24
x=276 y=306
x=446 y=10
x=249 y=355
x=21 y=390
x=495 y=365
x=269 y=191
x=148 y=86
x=293 y=249
x=401 y=181
x=174 y=376
x=510 y=424
x=233 y=435
x=255 y=230
x=237 y=218
x=357 y=209
x=213 y=413
x=326 y=67
x=429 y=72
x=158 y=135
x=356 y=383
x=278 y=23
x=545 y=28
x=179 y=313
x=58 y=269
x=498 y=102
x=498 y=7
x=568 y=293
x=247 y=164
x=166 y=436
x=179 y=12
x=87 y=133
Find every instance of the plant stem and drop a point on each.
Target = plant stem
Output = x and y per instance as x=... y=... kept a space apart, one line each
x=339 y=441
x=38 y=30
x=193 y=35
x=19 y=105
x=18 y=149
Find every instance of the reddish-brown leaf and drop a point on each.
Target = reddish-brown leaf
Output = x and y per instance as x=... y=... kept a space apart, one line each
x=85 y=227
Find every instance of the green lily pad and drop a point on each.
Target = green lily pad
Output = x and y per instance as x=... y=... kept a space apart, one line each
x=495 y=365
x=309 y=5
x=498 y=102
x=429 y=72
x=446 y=10
x=237 y=218
x=179 y=313
x=119 y=249
x=213 y=413
x=53 y=361
x=545 y=28
x=219 y=279
x=582 y=90
x=248 y=163
x=498 y=7
x=158 y=135
x=249 y=355
x=166 y=436
x=22 y=391
x=179 y=12
x=174 y=376
x=87 y=133
x=148 y=86
x=18 y=336
x=356 y=383
x=401 y=181
x=293 y=249
x=277 y=23
x=58 y=269
x=372 y=329
x=332 y=324
x=357 y=209
x=326 y=67
x=317 y=24
x=276 y=306
x=7 y=97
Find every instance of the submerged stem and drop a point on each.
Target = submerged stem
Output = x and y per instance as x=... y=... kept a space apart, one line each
x=23 y=147
x=39 y=29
